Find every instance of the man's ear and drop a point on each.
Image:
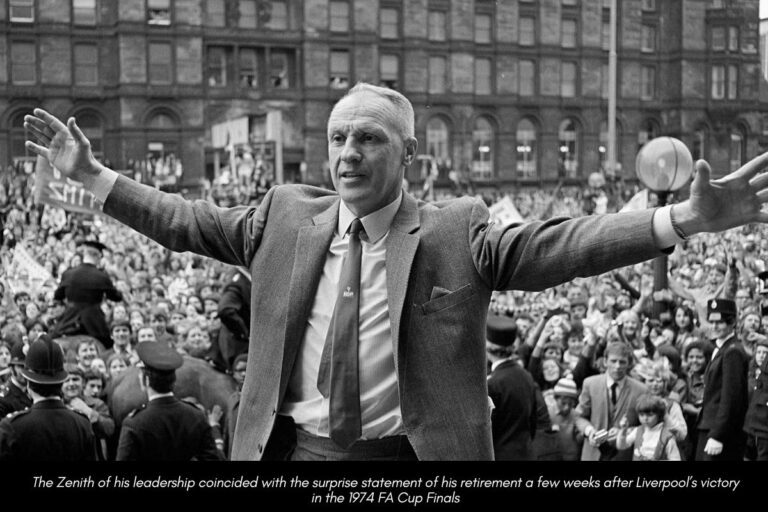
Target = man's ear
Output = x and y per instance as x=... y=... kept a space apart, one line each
x=411 y=147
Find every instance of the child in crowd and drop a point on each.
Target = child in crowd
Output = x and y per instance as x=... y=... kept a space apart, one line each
x=564 y=419
x=652 y=440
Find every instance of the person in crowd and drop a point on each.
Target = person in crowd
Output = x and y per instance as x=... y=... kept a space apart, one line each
x=685 y=327
x=86 y=351
x=5 y=366
x=652 y=439
x=512 y=392
x=120 y=330
x=85 y=287
x=697 y=355
x=659 y=378
x=756 y=420
x=233 y=402
x=235 y=315
x=158 y=320
x=288 y=239
x=48 y=430
x=605 y=399
x=90 y=406
x=165 y=428
x=570 y=439
x=14 y=396
x=144 y=334
x=721 y=436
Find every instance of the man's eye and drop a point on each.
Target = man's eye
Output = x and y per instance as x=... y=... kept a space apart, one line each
x=368 y=137
x=337 y=138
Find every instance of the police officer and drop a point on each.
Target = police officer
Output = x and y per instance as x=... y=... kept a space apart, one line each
x=13 y=396
x=85 y=287
x=47 y=430
x=720 y=434
x=235 y=315
x=165 y=428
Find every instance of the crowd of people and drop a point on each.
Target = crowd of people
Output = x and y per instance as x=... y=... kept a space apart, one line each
x=562 y=338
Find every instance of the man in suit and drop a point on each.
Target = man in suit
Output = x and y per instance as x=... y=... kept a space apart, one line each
x=721 y=420
x=165 y=428
x=48 y=430
x=512 y=392
x=421 y=274
x=14 y=396
x=85 y=287
x=605 y=399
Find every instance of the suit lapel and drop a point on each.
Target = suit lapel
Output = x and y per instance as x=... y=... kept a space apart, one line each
x=401 y=249
x=311 y=252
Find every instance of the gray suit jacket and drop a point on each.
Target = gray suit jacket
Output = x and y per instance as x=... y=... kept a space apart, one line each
x=443 y=260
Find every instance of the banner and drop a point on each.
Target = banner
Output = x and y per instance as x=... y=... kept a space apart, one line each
x=24 y=273
x=55 y=189
x=638 y=202
x=505 y=213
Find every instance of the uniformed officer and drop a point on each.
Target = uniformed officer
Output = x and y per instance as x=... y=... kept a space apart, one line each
x=235 y=315
x=166 y=428
x=85 y=287
x=14 y=397
x=47 y=430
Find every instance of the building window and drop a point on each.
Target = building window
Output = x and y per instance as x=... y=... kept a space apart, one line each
x=437 y=69
x=718 y=38
x=86 y=60
x=605 y=36
x=482 y=28
x=526 y=149
x=483 y=83
x=648 y=38
x=218 y=66
x=23 y=63
x=527 y=73
x=84 y=12
x=437 y=142
x=649 y=5
x=159 y=12
x=278 y=17
x=248 y=14
x=482 y=149
x=568 y=80
x=339 y=16
x=568 y=33
x=436 y=27
x=718 y=82
x=733 y=39
x=389 y=21
x=215 y=13
x=733 y=81
x=737 y=150
x=389 y=71
x=22 y=11
x=160 y=65
x=340 y=69
x=568 y=161
x=281 y=69
x=249 y=68
x=527 y=31
x=700 y=144
x=648 y=83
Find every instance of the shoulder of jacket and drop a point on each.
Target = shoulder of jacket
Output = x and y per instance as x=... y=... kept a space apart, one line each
x=17 y=414
x=137 y=410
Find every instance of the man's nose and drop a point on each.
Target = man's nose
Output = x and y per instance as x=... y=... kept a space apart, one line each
x=350 y=152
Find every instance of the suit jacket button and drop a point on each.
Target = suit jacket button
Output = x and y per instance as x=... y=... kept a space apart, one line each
x=261 y=448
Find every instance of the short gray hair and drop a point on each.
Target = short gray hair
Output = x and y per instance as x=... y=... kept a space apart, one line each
x=403 y=108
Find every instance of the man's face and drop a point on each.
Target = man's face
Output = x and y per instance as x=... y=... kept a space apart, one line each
x=158 y=324
x=121 y=335
x=73 y=386
x=722 y=329
x=751 y=323
x=93 y=388
x=146 y=334
x=86 y=353
x=616 y=366
x=238 y=372
x=696 y=360
x=367 y=152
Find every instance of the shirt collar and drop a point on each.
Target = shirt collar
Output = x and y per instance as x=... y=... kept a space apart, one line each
x=609 y=381
x=375 y=224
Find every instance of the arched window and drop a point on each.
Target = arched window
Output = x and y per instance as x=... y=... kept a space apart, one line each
x=525 y=140
x=93 y=129
x=482 y=149
x=649 y=130
x=568 y=140
x=161 y=120
x=602 y=149
x=438 y=146
x=738 y=149
x=700 y=146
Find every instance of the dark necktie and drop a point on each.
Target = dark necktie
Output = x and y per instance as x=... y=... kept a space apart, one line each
x=339 y=375
x=614 y=388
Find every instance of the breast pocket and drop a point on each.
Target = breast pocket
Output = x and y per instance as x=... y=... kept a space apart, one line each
x=446 y=300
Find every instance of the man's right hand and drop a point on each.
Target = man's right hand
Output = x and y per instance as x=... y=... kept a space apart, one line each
x=64 y=146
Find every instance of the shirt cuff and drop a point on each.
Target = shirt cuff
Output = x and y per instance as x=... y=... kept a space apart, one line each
x=663 y=231
x=102 y=184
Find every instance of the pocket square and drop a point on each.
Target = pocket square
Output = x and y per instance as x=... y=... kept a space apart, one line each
x=438 y=292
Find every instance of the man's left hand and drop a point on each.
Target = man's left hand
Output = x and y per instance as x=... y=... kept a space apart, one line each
x=725 y=203
x=713 y=447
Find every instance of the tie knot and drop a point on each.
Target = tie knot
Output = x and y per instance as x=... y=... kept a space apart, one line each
x=355 y=227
